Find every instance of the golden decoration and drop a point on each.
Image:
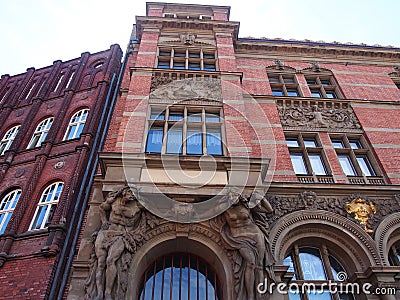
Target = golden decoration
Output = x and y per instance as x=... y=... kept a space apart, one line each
x=361 y=211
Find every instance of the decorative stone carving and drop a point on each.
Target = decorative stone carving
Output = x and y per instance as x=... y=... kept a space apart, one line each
x=59 y=165
x=301 y=115
x=279 y=64
x=246 y=231
x=157 y=81
x=121 y=233
x=315 y=66
x=361 y=211
x=185 y=89
x=188 y=38
x=19 y=173
x=397 y=70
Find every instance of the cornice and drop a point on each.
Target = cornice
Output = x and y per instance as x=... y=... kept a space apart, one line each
x=313 y=50
x=189 y=24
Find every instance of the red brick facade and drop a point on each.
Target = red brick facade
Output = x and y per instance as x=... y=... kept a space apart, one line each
x=29 y=257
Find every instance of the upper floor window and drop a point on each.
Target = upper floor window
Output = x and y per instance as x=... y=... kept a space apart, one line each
x=180 y=276
x=8 y=138
x=76 y=124
x=315 y=266
x=40 y=133
x=394 y=255
x=46 y=206
x=185 y=130
x=353 y=155
x=283 y=85
x=306 y=155
x=322 y=86
x=186 y=59
x=7 y=205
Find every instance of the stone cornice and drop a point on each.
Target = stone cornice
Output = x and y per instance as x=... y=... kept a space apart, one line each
x=189 y=24
x=311 y=49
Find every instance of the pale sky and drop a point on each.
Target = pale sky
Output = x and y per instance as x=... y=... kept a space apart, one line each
x=34 y=33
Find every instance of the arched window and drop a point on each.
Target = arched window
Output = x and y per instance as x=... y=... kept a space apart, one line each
x=315 y=267
x=8 y=138
x=180 y=276
x=394 y=255
x=46 y=206
x=76 y=125
x=40 y=133
x=7 y=205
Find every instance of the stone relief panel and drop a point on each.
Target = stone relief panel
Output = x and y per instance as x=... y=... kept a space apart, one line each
x=321 y=116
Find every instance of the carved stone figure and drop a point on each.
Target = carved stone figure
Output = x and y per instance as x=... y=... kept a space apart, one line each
x=122 y=230
x=188 y=38
x=246 y=231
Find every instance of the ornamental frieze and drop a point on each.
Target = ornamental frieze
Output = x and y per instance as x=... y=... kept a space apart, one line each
x=312 y=115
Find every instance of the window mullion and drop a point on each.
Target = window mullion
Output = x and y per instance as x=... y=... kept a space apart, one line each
x=164 y=142
x=187 y=59
x=201 y=59
x=184 y=131
x=171 y=62
x=204 y=131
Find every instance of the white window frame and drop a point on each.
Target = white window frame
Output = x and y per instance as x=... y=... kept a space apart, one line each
x=77 y=119
x=8 y=138
x=49 y=200
x=40 y=133
x=7 y=205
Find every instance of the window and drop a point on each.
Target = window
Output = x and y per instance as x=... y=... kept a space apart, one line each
x=180 y=276
x=185 y=130
x=283 y=85
x=8 y=138
x=394 y=255
x=314 y=266
x=76 y=124
x=7 y=206
x=306 y=155
x=322 y=87
x=40 y=133
x=353 y=157
x=46 y=206
x=187 y=59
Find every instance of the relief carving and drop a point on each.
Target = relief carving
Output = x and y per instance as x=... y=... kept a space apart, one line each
x=361 y=211
x=188 y=38
x=308 y=115
x=121 y=233
x=246 y=231
x=178 y=90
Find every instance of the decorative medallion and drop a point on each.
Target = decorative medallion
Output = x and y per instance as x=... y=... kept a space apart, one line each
x=59 y=165
x=188 y=38
x=315 y=66
x=19 y=173
x=279 y=64
x=19 y=113
x=361 y=211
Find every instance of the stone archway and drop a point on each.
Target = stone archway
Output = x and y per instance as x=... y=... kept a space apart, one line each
x=348 y=240
x=387 y=233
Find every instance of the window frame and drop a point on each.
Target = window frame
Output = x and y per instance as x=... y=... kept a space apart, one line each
x=186 y=60
x=7 y=206
x=186 y=125
x=8 y=138
x=307 y=151
x=76 y=124
x=285 y=83
x=40 y=133
x=354 y=153
x=50 y=205
x=319 y=85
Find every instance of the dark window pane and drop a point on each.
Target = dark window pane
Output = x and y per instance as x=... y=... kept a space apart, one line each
x=347 y=165
x=276 y=92
x=311 y=264
x=208 y=55
x=311 y=81
x=336 y=267
x=298 y=163
x=292 y=142
x=194 y=142
x=194 y=54
x=316 y=94
x=179 y=54
x=214 y=144
x=338 y=144
x=179 y=65
x=154 y=140
x=163 y=64
x=273 y=79
x=365 y=165
x=194 y=66
x=174 y=141
x=325 y=82
x=165 y=53
x=292 y=93
x=288 y=80
x=354 y=144
x=209 y=67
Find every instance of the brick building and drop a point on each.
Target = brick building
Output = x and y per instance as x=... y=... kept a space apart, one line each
x=232 y=160
x=52 y=122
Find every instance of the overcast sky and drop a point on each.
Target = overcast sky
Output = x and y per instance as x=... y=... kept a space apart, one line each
x=34 y=33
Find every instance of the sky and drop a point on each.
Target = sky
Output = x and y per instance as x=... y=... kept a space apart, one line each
x=34 y=33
